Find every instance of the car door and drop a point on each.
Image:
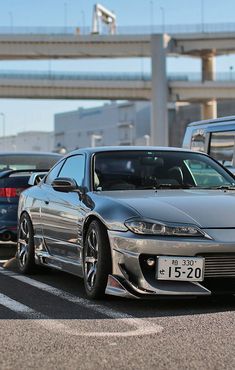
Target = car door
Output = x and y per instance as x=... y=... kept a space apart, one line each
x=62 y=212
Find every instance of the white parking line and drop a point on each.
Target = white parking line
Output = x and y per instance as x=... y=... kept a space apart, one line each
x=18 y=307
x=141 y=326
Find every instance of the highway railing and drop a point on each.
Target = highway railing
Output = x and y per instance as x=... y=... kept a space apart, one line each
x=123 y=30
x=125 y=76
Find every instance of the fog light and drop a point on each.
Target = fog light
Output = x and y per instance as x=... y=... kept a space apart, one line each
x=150 y=262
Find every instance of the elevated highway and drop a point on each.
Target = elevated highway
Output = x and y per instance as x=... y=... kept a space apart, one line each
x=182 y=87
x=53 y=87
x=202 y=44
x=16 y=47
x=70 y=46
x=201 y=91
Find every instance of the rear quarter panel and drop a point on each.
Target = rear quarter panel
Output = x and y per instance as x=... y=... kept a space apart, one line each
x=30 y=202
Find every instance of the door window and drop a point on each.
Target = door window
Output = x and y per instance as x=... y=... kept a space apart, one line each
x=74 y=168
x=222 y=147
x=198 y=140
x=53 y=173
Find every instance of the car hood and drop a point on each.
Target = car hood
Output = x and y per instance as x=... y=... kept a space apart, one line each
x=205 y=208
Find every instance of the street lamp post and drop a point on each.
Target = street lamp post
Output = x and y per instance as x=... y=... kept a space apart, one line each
x=3 y=123
x=65 y=17
x=151 y=16
x=3 y=128
x=11 y=21
x=231 y=72
x=163 y=19
x=202 y=15
x=83 y=21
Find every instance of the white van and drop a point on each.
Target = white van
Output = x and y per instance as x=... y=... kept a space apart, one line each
x=215 y=137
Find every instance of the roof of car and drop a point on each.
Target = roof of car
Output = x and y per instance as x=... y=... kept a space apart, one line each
x=29 y=154
x=127 y=148
x=226 y=119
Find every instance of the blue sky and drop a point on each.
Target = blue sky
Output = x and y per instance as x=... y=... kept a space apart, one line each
x=39 y=115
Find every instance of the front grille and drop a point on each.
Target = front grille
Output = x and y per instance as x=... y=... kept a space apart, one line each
x=219 y=265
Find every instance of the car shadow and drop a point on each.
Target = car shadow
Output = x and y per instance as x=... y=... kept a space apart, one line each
x=139 y=308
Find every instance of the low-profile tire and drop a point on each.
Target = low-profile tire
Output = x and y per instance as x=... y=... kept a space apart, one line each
x=97 y=263
x=25 y=246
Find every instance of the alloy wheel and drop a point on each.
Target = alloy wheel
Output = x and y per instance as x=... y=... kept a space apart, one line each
x=23 y=243
x=91 y=259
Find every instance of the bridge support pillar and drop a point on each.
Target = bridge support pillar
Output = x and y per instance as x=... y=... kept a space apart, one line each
x=209 y=108
x=208 y=67
x=159 y=114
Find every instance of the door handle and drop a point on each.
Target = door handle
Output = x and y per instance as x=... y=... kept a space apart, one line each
x=46 y=201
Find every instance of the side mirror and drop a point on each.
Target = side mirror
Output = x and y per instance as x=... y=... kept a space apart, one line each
x=64 y=184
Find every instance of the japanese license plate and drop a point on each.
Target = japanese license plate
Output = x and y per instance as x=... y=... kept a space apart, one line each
x=180 y=268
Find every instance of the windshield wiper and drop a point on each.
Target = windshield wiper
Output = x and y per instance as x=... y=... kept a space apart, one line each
x=173 y=186
x=219 y=187
x=224 y=187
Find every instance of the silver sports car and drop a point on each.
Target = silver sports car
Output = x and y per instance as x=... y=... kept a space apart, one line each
x=133 y=222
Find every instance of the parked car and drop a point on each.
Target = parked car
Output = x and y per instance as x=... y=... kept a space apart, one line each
x=133 y=222
x=15 y=171
x=215 y=137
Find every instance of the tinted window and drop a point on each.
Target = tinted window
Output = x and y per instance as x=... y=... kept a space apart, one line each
x=74 y=168
x=222 y=147
x=53 y=173
x=28 y=161
x=204 y=174
x=130 y=170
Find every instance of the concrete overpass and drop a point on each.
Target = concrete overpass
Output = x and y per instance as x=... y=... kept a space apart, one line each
x=47 y=85
x=23 y=47
x=156 y=46
x=52 y=87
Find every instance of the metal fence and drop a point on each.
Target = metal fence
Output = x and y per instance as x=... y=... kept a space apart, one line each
x=123 y=76
x=122 y=30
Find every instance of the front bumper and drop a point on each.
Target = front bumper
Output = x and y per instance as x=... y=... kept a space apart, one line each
x=131 y=277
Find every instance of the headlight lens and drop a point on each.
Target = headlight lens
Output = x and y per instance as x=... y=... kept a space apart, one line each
x=157 y=228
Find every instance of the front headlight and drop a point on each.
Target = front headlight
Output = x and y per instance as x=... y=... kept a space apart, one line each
x=157 y=228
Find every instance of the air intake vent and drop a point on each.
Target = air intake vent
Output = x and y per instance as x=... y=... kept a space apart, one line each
x=220 y=265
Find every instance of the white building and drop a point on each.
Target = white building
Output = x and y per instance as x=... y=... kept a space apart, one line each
x=111 y=124
x=124 y=124
x=36 y=141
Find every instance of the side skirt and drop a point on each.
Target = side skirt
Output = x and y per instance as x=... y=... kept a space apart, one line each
x=63 y=264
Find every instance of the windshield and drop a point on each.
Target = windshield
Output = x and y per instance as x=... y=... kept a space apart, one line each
x=28 y=161
x=136 y=170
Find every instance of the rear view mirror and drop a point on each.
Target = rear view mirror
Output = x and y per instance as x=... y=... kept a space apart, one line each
x=152 y=161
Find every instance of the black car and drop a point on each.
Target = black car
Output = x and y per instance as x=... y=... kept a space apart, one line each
x=15 y=170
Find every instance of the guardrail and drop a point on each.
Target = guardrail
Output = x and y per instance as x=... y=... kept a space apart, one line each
x=123 y=30
x=124 y=76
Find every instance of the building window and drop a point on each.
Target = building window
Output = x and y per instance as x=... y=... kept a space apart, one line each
x=126 y=132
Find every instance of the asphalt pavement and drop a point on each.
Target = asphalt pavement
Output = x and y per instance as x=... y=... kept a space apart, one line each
x=7 y=250
x=48 y=323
